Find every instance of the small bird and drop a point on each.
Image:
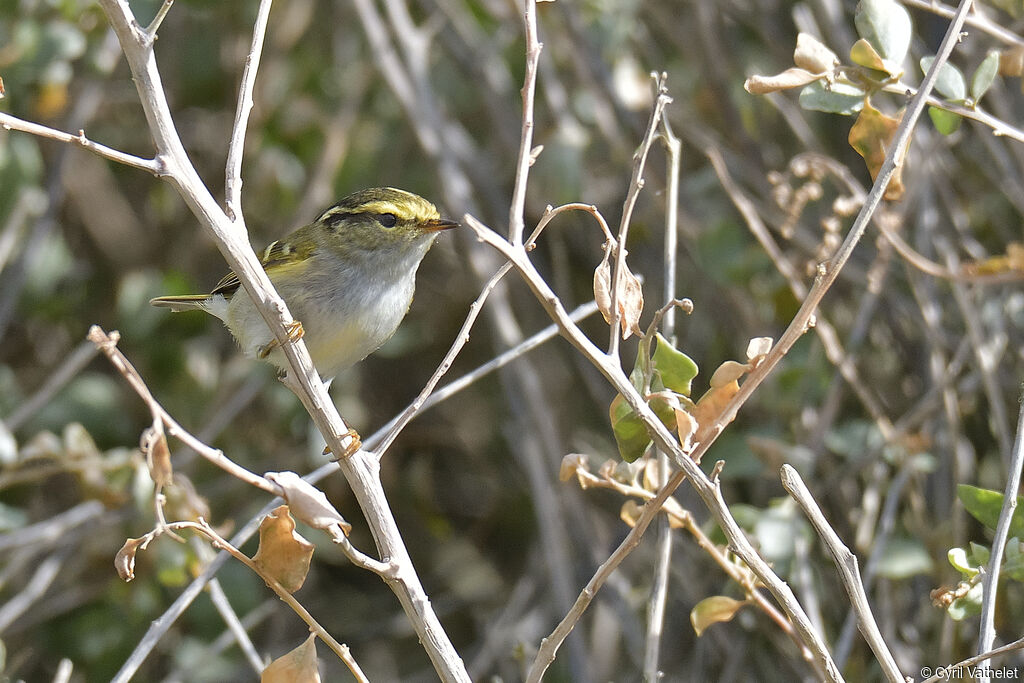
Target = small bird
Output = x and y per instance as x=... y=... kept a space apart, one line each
x=347 y=278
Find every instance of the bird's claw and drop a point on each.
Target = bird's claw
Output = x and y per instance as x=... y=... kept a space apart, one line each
x=294 y=332
x=353 y=447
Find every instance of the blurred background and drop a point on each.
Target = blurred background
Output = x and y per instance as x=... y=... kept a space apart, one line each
x=424 y=95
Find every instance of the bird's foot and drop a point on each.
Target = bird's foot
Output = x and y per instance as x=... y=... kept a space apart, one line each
x=352 y=448
x=295 y=333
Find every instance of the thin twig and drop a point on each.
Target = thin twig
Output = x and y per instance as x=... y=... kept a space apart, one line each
x=987 y=631
x=161 y=14
x=663 y=553
x=946 y=673
x=977 y=19
x=736 y=572
x=461 y=339
x=846 y=562
x=9 y=122
x=999 y=127
x=107 y=343
x=830 y=338
x=636 y=184
x=42 y=578
x=233 y=172
x=340 y=649
x=517 y=207
x=496 y=363
x=549 y=646
x=223 y=605
x=163 y=623
x=879 y=544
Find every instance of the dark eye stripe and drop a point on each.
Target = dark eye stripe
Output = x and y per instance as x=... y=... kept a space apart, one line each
x=333 y=220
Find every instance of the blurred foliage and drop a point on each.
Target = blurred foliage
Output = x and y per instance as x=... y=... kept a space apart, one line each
x=84 y=242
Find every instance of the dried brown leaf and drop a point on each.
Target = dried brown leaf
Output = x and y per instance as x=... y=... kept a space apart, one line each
x=124 y=560
x=790 y=78
x=298 y=666
x=630 y=303
x=571 y=464
x=158 y=455
x=603 y=285
x=871 y=136
x=283 y=554
x=811 y=54
x=630 y=512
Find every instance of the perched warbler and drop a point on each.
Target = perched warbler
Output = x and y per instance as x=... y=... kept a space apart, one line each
x=347 y=278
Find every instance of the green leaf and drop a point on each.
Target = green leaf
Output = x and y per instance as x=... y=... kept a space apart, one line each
x=1013 y=561
x=958 y=558
x=979 y=554
x=677 y=370
x=839 y=98
x=886 y=25
x=713 y=610
x=950 y=81
x=985 y=505
x=946 y=122
x=985 y=75
x=903 y=558
x=630 y=434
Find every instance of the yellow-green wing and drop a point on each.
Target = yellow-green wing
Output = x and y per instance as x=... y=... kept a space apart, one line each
x=277 y=254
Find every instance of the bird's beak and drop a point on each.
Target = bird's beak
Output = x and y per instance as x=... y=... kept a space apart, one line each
x=438 y=224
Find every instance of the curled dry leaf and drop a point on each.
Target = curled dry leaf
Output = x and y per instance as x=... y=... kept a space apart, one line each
x=603 y=284
x=728 y=372
x=124 y=560
x=653 y=476
x=630 y=512
x=757 y=349
x=793 y=77
x=686 y=427
x=724 y=385
x=298 y=666
x=283 y=554
x=607 y=469
x=308 y=503
x=713 y=610
x=571 y=464
x=630 y=300
x=158 y=455
x=811 y=54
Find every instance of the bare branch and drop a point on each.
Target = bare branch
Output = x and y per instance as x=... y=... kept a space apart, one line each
x=107 y=343
x=233 y=174
x=517 y=208
x=846 y=562
x=9 y=122
x=987 y=632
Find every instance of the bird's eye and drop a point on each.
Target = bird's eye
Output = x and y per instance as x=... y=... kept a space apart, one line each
x=388 y=220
